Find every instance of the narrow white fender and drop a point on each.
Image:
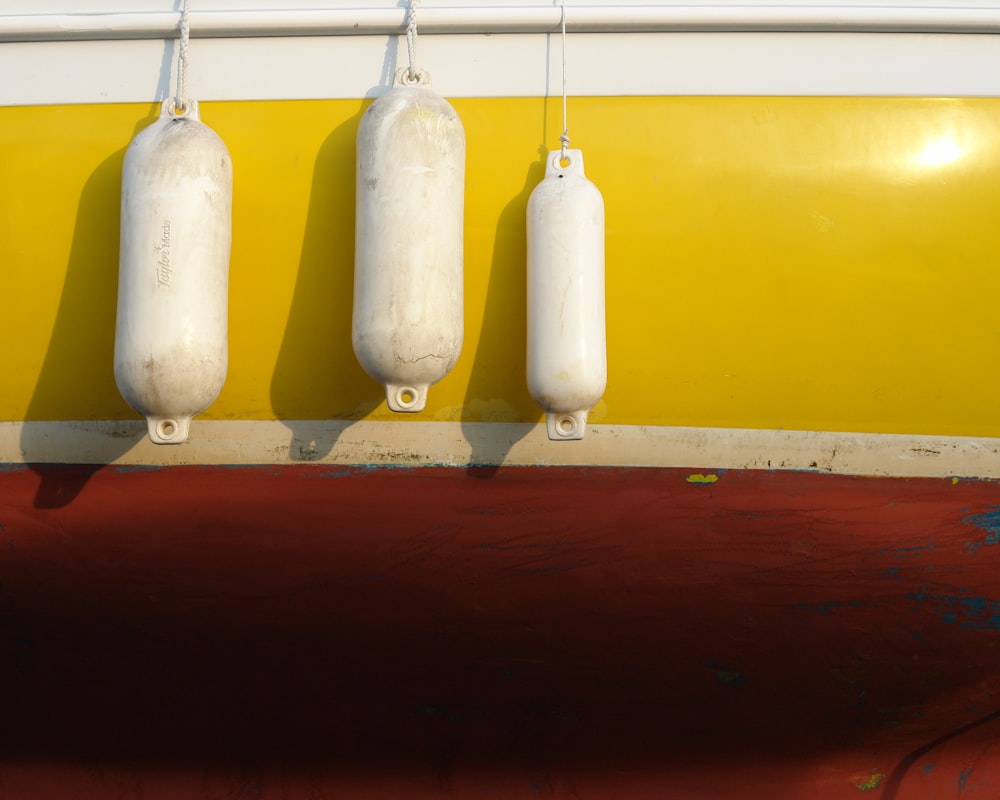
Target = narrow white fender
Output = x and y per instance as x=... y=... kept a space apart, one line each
x=171 y=337
x=567 y=353
x=407 y=325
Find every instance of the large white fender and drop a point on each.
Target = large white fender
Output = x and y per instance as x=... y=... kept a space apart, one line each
x=171 y=339
x=407 y=325
x=567 y=354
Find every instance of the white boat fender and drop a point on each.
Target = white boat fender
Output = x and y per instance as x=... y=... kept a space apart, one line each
x=407 y=324
x=171 y=338
x=567 y=352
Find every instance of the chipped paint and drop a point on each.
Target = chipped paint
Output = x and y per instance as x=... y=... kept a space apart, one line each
x=908 y=551
x=963 y=779
x=728 y=676
x=871 y=783
x=698 y=478
x=989 y=522
x=969 y=613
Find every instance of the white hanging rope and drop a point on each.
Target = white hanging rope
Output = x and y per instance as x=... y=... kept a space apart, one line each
x=411 y=40
x=182 y=59
x=564 y=138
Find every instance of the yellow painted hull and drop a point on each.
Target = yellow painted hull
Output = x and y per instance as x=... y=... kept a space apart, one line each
x=817 y=264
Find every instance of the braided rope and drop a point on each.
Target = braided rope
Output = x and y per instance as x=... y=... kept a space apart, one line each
x=182 y=59
x=411 y=40
x=564 y=137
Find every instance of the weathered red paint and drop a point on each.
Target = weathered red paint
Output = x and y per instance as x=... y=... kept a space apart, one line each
x=285 y=632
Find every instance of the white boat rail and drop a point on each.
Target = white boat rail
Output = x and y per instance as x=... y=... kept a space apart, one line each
x=585 y=18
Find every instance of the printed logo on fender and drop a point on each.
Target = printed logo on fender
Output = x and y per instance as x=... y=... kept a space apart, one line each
x=163 y=270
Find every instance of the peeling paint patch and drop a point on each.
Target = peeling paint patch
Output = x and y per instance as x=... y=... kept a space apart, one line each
x=969 y=613
x=871 y=783
x=699 y=478
x=989 y=522
x=727 y=676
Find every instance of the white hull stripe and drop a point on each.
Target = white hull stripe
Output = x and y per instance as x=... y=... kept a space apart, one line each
x=414 y=444
x=517 y=65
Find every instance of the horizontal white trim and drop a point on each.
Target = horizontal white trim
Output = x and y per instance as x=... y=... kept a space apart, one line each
x=644 y=48
x=502 y=19
x=414 y=444
x=522 y=65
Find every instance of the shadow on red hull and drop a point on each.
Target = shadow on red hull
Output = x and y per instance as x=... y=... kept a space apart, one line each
x=309 y=632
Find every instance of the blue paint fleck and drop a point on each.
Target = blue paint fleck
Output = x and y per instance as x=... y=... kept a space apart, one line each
x=927 y=769
x=963 y=779
x=989 y=522
x=969 y=613
x=906 y=552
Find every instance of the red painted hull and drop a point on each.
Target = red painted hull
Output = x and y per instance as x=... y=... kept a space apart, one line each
x=314 y=632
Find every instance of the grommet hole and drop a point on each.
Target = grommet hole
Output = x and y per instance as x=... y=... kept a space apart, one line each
x=566 y=426
x=166 y=428
x=406 y=397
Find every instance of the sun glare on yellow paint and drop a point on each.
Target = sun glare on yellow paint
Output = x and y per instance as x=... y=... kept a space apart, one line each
x=939 y=152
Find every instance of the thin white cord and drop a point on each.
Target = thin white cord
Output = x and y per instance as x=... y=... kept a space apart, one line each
x=182 y=59
x=564 y=138
x=411 y=40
